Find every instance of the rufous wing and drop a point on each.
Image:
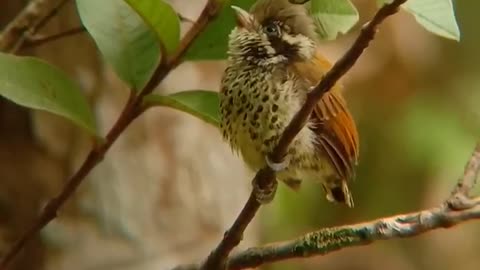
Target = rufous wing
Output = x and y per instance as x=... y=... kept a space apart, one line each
x=335 y=128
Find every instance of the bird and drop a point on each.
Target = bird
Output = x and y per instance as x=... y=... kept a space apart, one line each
x=274 y=60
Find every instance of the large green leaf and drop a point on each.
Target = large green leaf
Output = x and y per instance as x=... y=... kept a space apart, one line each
x=200 y=103
x=162 y=18
x=436 y=16
x=35 y=84
x=212 y=43
x=333 y=17
x=124 y=39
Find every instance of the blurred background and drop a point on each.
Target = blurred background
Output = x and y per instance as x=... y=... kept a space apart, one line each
x=170 y=186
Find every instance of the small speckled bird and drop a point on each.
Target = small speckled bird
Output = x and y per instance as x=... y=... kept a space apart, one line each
x=274 y=61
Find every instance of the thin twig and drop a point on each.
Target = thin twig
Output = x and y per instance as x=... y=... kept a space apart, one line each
x=132 y=109
x=459 y=198
x=34 y=42
x=468 y=181
x=36 y=14
x=265 y=177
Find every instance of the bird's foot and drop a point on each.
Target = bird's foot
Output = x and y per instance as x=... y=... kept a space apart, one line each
x=277 y=167
x=264 y=195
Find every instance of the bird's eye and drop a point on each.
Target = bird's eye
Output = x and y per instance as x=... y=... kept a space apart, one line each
x=272 y=30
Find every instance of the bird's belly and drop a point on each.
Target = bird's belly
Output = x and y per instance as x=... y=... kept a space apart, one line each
x=310 y=166
x=254 y=118
x=305 y=162
x=251 y=153
x=255 y=140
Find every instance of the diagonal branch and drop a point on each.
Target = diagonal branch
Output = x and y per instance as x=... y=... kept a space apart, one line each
x=265 y=178
x=332 y=239
x=131 y=111
x=327 y=240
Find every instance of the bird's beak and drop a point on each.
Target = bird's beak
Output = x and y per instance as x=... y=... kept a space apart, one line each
x=243 y=18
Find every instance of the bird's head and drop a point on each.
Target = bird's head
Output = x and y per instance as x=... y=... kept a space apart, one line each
x=272 y=32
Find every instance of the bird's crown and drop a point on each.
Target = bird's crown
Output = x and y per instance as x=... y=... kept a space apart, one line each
x=272 y=31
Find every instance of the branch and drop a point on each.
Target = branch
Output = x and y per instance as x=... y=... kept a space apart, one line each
x=459 y=198
x=327 y=240
x=132 y=110
x=34 y=16
x=265 y=178
x=332 y=239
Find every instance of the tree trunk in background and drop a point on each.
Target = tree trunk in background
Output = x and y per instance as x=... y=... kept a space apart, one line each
x=161 y=196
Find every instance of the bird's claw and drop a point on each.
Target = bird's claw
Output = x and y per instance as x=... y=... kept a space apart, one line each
x=264 y=195
x=277 y=167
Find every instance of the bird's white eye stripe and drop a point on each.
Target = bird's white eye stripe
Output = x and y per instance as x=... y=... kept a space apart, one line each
x=304 y=45
x=293 y=40
x=270 y=50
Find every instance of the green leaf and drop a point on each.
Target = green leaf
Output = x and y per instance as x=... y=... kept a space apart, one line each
x=436 y=16
x=333 y=17
x=200 y=103
x=212 y=43
x=125 y=41
x=35 y=84
x=162 y=18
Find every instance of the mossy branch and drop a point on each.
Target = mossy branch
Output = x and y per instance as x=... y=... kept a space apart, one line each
x=327 y=240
